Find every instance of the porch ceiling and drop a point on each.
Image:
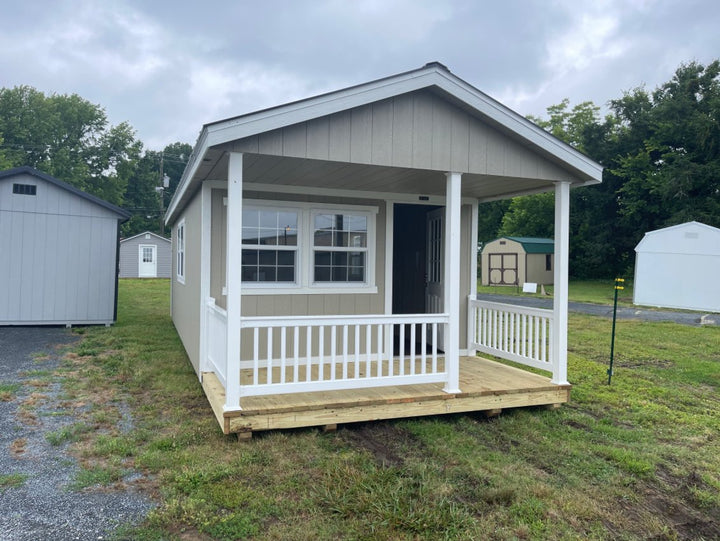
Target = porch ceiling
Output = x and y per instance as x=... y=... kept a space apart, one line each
x=298 y=172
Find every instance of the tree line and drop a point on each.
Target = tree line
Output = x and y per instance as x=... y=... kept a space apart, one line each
x=660 y=151
x=661 y=154
x=71 y=139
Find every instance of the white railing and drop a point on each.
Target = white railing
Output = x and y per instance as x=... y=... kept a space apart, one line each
x=216 y=340
x=321 y=353
x=516 y=333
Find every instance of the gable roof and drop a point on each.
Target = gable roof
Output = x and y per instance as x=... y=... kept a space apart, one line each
x=690 y=237
x=27 y=170
x=159 y=237
x=532 y=245
x=431 y=76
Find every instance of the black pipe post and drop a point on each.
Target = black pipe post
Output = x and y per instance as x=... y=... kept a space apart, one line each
x=618 y=287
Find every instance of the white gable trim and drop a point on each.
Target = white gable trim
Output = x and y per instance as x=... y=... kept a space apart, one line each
x=432 y=75
x=146 y=233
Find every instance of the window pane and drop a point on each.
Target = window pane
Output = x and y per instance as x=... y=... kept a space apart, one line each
x=323 y=238
x=285 y=257
x=324 y=221
x=356 y=274
x=356 y=223
x=250 y=235
x=339 y=274
x=249 y=257
x=322 y=274
x=249 y=274
x=288 y=237
x=322 y=258
x=286 y=274
x=340 y=239
x=268 y=219
x=268 y=257
x=287 y=220
x=358 y=240
x=267 y=274
x=339 y=258
x=250 y=218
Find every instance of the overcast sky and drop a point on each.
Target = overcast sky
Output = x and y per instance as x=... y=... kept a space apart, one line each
x=168 y=67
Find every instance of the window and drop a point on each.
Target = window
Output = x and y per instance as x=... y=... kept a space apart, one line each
x=307 y=247
x=269 y=245
x=339 y=247
x=180 y=252
x=548 y=262
x=25 y=189
x=147 y=254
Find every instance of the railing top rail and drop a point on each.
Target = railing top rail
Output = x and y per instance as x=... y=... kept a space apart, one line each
x=315 y=321
x=529 y=310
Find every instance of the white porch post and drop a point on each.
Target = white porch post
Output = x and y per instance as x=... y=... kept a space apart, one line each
x=233 y=262
x=560 y=298
x=452 y=282
x=205 y=226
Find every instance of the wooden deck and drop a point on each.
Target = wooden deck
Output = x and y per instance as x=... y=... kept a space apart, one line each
x=486 y=386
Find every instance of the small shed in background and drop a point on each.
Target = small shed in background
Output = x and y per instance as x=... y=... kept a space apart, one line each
x=679 y=267
x=512 y=261
x=59 y=249
x=146 y=255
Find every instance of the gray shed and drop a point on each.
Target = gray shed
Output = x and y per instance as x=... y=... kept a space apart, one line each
x=59 y=249
x=145 y=255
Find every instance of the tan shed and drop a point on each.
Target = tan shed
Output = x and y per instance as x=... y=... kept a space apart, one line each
x=513 y=261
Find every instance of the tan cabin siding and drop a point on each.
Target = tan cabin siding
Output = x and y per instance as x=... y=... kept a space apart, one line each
x=186 y=297
x=417 y=130
x=536 y=269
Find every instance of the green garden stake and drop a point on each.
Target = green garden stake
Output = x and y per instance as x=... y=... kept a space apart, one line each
x=618 y=287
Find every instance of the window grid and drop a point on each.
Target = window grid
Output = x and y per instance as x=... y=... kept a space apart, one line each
x=269 y=245
x=180 y=270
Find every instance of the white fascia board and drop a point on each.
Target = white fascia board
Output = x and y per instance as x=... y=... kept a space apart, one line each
x=145 y=233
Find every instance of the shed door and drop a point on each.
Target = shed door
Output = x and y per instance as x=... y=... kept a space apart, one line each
x=147 y=261
x=435 y=284
x=503 y=269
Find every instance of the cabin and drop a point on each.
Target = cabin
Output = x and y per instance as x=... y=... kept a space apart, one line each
x=324 y=257
x=145 y=255
x=513 y=261
x=59 y=247
x=677 y=267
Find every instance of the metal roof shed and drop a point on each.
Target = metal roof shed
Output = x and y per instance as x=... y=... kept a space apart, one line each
x=516 y=260
x=677 y=267
x=59 y=249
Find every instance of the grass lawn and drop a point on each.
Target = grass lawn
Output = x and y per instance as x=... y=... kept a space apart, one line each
x=636 y=460
x=593 y=291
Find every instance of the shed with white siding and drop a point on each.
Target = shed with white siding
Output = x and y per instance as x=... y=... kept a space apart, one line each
x=677 y=267
x=145 y=255
x=59 y=249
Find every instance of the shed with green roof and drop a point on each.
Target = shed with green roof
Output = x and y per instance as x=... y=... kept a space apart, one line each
x=513 y=261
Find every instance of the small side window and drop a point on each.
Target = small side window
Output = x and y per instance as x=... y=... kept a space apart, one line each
x=180 y=263
x=25 y=189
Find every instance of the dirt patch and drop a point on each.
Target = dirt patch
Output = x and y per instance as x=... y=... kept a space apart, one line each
x=388 y=443
x=18 y=446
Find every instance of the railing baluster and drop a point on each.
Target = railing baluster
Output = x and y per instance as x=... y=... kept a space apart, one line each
x=296 y=354
x=333 y=346
x=256 y=356
x=283 y=345
x=357 y=351
x=308 y=349
x=368 y=350
x=345 y=352
x=434 y=349
x=381 y=348
x=413 y=349
x=423 y=352
x=321 y=353
x=269 y=355
x=401 y=352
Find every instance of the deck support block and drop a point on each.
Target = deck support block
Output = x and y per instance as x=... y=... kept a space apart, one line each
x=245 y=435
x=490 y=414
x=329 y=428
x=553 y=407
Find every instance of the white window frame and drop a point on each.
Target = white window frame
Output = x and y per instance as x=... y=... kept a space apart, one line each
x=180 y=258
x=253 y=205
x=305 y=250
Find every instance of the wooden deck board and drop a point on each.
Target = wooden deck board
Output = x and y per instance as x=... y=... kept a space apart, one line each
x=485 y=385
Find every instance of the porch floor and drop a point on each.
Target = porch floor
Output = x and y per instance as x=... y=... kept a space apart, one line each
x=486 y=386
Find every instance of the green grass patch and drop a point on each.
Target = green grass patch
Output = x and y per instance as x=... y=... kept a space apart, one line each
x=69 y=433
x=590 y=291
x=11 y=480
x=639 y=459
x=8 y=391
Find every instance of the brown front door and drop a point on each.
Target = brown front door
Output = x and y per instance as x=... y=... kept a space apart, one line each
x=503 y=269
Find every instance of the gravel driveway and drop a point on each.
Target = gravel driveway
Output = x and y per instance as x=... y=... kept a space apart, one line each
x=43 y=506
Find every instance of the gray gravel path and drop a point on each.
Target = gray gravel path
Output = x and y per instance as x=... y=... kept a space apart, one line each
x=623 y=312
x=44 y=507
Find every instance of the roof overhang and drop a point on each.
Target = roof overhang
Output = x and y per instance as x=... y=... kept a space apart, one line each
x=206 y=161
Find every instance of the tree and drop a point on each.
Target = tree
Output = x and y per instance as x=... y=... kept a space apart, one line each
x=69 y=138
x=529 y=216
